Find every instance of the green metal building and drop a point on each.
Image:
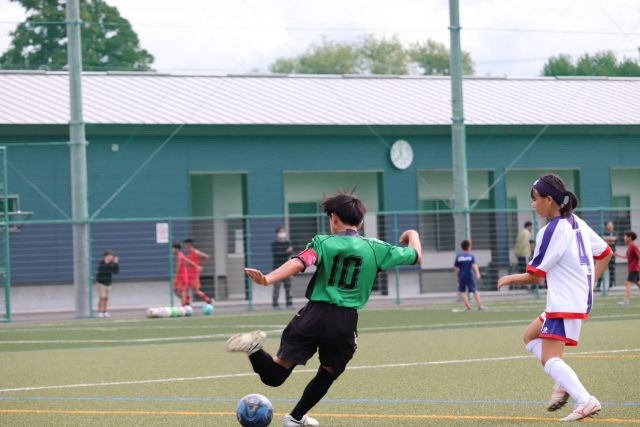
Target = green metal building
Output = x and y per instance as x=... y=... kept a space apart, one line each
x=184 y=146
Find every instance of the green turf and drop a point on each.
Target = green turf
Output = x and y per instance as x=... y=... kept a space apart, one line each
x=427 y=356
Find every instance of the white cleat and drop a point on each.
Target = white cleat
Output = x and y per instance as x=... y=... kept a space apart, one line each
x=588 y=409
x=248 y=343
x=289 y=421
x=559 y=397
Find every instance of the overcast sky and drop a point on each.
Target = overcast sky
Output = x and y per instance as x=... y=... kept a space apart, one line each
x=505 y=37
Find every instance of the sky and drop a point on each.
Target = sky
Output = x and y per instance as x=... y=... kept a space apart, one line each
x=511 y=38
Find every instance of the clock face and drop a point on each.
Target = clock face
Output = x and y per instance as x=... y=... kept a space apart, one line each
x=401 y=154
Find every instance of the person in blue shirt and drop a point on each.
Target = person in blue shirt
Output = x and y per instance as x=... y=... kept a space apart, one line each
x=467 y=273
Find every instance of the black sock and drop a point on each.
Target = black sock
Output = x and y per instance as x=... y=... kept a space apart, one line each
x=315 y=390
x=270 y=372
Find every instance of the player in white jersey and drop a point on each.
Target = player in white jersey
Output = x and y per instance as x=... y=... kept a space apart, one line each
x=565 y=252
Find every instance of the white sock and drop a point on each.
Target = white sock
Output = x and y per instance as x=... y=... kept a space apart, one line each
x=562 y=373
x=535 y=347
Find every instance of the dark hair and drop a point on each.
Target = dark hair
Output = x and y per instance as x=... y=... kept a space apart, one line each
x=553 y=186
x=528 y=224
x=188 y=241
x=348 y=207
x=107 y=252
x=176 y=246
x=278 y=228
x=632 y=235
x=465 y=245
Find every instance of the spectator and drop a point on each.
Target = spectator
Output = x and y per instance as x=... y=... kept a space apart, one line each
x=467 y=273
x=107 y=267
x=523 y=247
x=281 y=251
x=633 y=265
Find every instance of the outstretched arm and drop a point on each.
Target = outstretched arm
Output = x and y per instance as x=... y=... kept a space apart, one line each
x=202 y=255
x=286 y=270
x=412 y=239
x=519 y=279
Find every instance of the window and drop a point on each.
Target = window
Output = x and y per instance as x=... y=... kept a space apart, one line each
x=13 y=203
x=303 y=228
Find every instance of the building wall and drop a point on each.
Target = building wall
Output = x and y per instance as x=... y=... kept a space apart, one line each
x=263 y=165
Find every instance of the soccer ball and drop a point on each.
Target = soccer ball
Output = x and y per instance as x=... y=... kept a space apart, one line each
x=254 y=410
x=207 y=309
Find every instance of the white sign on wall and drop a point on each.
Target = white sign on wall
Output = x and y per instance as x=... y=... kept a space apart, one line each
x=162 y=232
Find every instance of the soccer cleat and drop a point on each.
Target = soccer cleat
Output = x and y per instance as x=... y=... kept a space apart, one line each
x=559 y=397
x=625 y=302
x=248 y=343
x=106 y=314
x=100 y=314
x=289 y=421
x=588 y=409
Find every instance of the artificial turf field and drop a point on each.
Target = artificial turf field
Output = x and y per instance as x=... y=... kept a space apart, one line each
x=415 y=366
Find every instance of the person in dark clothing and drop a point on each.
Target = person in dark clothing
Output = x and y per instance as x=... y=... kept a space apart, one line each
x=610 y=237
x=281 y=251
x=107 y=267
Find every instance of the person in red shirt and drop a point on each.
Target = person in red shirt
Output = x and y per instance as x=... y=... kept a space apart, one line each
x=194 y=268
x=181 y=275
x=633 y=264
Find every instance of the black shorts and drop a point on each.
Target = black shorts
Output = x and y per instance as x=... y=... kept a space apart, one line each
x=330 y=330
x=633 y=277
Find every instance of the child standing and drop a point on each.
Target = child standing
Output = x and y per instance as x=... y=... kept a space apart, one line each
x=633 y=265
x=467 y=271
x=564 y=254
x=194 y=268
x=107 y=267
x=347 y=265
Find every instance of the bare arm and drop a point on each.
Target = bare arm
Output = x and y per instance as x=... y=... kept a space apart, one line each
x=456 y=270
x=601 y=265
x=476 y=268
x=286 y=270
x=519 y=279
x=412 y=239
x=201 y=254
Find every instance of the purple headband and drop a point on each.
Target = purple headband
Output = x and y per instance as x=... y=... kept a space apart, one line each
x=543 y=188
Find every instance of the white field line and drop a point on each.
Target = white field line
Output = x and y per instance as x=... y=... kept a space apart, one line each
x=131 y=340
x=107 y=328
x=362 y=367
x=279 y=329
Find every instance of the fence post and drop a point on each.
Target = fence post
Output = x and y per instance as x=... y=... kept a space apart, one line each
x=171 y=261
x=536 y=287
x=91 y=279
x=248 y=282
x=605 y=279
x=397 y=269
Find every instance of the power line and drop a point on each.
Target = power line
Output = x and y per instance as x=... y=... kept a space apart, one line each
x=326 y=29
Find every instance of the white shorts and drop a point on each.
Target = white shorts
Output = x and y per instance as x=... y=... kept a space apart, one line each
x=566 y=330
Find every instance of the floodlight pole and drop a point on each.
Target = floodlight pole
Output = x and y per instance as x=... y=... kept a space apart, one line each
x=78 y=162
x=462 y=228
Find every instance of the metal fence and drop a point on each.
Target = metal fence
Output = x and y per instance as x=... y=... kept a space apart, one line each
x=39 y=255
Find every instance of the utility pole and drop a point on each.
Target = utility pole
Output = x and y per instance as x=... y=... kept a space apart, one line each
x=458 y=140
x=78 y=162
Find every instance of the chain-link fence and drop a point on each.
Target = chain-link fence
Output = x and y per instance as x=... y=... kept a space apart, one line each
x=41 y=264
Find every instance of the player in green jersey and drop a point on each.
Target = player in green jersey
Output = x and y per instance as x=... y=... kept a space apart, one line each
x=346 y=268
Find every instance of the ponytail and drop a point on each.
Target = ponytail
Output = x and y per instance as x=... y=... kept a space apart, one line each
x=570 y=204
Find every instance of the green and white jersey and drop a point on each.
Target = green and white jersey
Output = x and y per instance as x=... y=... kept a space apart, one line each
x=347 y=266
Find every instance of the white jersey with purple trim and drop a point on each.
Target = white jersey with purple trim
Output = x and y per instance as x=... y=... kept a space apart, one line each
x=565 y=249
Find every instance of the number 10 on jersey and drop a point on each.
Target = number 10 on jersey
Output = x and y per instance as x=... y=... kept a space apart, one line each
x=343 y=269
